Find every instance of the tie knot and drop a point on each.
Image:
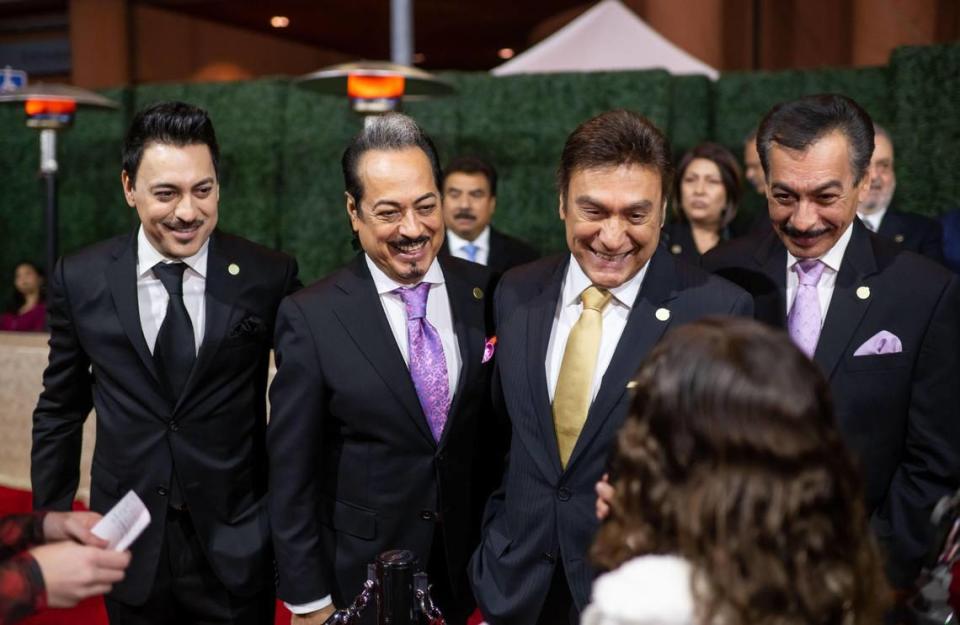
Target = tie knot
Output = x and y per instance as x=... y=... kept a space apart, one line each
x=595 y=298
x=415 y=299
x=171 y=275
x=471 y=251
x=809 y=272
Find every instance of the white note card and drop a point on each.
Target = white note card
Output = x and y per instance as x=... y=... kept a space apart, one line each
x=125 y=521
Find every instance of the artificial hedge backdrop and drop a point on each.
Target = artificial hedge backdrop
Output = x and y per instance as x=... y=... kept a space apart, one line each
x=280 y=175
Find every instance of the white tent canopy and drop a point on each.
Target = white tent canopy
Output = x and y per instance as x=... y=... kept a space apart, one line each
x=608 y=37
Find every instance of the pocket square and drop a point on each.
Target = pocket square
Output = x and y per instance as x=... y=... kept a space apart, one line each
x=250 y=324
x=489 y=348
x=882 y=342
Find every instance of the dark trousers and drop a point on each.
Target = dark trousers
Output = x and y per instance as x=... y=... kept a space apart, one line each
x=186 y=590
x=558 y=607
x=456 y=606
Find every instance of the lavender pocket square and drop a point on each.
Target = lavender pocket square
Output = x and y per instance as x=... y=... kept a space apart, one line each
x=882 y=342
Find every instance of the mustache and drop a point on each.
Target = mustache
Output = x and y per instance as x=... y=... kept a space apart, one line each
x=178 y=224
x=795 y=233
x=464 y=214
x=406 y=242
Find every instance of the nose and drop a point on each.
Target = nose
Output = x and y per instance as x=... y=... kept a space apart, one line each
x=612 y=234
x=185 y=210
x=805 y=215
x=410 y=225
x=699 y=188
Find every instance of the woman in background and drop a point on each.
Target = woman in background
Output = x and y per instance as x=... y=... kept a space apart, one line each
x=733 y=492
x=706 y=193
x=27 y=311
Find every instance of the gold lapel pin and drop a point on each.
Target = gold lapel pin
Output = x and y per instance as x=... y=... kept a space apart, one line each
x=863 y=292
x=898 y=238
x=632 y=384
x=233 y=269
x=675 y=248
x=662 y=314
x=477 y=293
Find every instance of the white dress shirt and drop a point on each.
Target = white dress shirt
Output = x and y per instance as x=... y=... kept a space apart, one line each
x=568 y=312
x=152 y=296
x=828 y=279
x=457 y=244
x=873 y=220
x=439 y=316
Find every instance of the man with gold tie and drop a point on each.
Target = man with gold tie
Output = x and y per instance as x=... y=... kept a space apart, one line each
x=572 y=330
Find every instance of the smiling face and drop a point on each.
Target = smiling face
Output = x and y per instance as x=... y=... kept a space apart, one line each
x=176 y=195
x=399 y=222
x=812 y=194
x=468 y=204
x=613 y=217
x=702 y=194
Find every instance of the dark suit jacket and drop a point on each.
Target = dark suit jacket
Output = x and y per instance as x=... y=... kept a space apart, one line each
x=213 y=434
x=898 y=412
x=913 y=232
x=506 y=252
x=678 y=238
x=542 y=513
x=354 y=468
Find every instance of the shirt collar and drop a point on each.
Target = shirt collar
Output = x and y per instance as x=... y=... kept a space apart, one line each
x=576 y=282
x=834 y=255
x=386 y=284
x=458 y=243
x=148 y=256
x=874 y=218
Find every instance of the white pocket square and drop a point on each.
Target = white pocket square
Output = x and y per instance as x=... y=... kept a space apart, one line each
x=882 y=342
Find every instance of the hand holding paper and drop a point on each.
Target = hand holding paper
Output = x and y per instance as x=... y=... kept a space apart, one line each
x=124 y=523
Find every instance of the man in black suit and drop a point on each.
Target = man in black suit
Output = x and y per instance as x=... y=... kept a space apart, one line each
x=381 y=392
x=572 y=330
x=166 y=332
x=910 y=231
x=469 y=201
x=881 y=322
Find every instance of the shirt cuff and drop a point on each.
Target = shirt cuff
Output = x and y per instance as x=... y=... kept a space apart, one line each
x=306 y=608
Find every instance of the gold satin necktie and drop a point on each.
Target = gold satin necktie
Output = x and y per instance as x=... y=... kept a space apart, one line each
x=571 y=399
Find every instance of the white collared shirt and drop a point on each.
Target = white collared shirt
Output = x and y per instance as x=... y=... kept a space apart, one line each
x=828 y=279
x=152 y=296
x=568 y=312
x=874 y=219
x=457 y=244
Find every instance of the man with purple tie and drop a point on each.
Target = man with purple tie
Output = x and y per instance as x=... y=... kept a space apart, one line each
x=381 y=385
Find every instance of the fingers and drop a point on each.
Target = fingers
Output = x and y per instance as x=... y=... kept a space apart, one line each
x=605 y=494
x=77 y=527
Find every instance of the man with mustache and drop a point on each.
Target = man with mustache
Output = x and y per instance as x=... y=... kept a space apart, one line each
x=380 y=405
x=913 y=232
x=572 y=330
x=881 y=322
x=166 y=332
x=469 y=201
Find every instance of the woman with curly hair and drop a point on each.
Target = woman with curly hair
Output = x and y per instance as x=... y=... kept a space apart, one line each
x=730 y=477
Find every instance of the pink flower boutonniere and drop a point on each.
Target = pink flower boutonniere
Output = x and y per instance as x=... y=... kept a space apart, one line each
x=489 y=348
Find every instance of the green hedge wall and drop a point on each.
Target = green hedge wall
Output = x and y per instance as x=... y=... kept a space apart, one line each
x=281 y=146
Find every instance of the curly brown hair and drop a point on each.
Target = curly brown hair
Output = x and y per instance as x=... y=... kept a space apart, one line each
x=731 y=459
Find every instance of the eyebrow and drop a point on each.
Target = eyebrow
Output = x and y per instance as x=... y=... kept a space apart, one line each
x=819 y=189
x=587 y=200
x=397 y=204
x=170 y=185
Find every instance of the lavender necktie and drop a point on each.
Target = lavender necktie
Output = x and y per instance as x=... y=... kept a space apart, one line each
x=804 y=319
x=428 y=367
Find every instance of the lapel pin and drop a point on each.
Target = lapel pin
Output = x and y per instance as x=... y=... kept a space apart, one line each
x=662 y=314
x=863 y=292
x=477 y=293
x=233 y=269
x=632 y=384
x=675 y=248
x=898 y=238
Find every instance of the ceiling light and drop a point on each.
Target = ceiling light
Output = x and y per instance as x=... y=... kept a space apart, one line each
x=279 y=21
x=505 y=53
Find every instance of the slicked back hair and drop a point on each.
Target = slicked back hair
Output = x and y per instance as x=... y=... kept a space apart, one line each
x=172 y=123
x=797 y=124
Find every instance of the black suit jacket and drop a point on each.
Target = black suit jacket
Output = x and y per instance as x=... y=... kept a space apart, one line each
x=541 y=512
x=354 y=468
x=506 y=252
x=898 y=412
x=913 y=232
x=213 y=434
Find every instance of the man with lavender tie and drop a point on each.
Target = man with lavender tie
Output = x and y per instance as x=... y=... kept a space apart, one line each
x=380 y=405
x=881 y=322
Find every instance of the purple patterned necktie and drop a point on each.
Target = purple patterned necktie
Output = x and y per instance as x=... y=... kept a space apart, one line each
x=804 y=319
x=428 y=367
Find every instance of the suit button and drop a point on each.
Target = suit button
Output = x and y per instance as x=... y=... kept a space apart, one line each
x=426 y=515
x=174 y=426
x=549 y=557
x=563 y=494
x=161 y=491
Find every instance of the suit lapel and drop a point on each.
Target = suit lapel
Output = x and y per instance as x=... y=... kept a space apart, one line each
x=497 y=257
x=770 y=298
x=846 y=307
x=641 y=333
x=361 y=314
x=121 y=277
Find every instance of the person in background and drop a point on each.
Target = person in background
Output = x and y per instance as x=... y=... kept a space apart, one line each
x=27 y=311
x=752 y=169
x=706 y=194
x=733 y=494
x=52 y=559
x=469 y=200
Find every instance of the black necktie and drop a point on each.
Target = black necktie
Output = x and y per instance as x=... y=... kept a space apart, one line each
x=175 y=350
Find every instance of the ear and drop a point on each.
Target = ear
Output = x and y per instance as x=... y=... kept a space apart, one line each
x=663 y=213
x=493 y=205
x=562 y=209
x=353 y=211
x=127 y=189
x=863 y=187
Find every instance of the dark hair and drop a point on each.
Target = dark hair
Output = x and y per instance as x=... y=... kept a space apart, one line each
x=472 y=165
x=172 y=123
x=751 y=137
x=614 y=138
x=392 y=131
x=730 y=175
x=731 y=459
x=799 y=123
x=17 y=300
